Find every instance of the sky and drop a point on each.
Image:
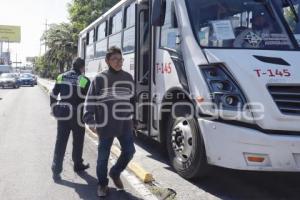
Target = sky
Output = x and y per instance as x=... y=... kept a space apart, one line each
x=31 y=15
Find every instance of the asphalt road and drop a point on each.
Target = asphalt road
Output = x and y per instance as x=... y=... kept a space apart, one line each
x=27 y=137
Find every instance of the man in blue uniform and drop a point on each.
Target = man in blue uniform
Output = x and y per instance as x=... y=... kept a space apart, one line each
x=71 y=86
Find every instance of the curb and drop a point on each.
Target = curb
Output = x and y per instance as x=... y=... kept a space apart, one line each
x=134 y=167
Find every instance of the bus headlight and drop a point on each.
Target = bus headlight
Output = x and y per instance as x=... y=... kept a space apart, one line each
x=225 y=92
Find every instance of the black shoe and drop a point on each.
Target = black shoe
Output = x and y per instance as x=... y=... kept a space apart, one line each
x=117 y=181
x=102 y=191
x=56 y=177
x=81 y=167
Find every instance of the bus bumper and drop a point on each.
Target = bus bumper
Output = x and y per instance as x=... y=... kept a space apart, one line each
x=242 y=148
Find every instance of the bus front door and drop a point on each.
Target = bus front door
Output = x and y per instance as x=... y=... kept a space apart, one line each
x=142 y=67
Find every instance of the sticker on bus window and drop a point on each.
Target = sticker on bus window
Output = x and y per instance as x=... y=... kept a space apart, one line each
x=253 y=39
x=223 y=30
x=272 y=39
x=203 y=35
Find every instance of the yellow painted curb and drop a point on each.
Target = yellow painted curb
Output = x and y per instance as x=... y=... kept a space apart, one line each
x=141 y=173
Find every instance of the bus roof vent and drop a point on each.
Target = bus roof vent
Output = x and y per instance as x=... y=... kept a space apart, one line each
x=272 y=60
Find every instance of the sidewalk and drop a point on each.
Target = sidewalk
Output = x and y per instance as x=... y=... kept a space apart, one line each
x=46 y=84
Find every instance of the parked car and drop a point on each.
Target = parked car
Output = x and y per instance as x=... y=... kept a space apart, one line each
x=27 y=79
x=33 y=76
x=9 y=80
x=17 y=76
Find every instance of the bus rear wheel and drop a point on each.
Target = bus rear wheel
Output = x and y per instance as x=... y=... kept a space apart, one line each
x=186 y=149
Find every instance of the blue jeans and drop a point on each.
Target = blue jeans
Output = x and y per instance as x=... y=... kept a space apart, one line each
x=104 y=147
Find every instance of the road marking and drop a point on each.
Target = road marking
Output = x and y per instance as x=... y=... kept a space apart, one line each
x=134 y=182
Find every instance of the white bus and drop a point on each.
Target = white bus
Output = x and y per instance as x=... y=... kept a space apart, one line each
x=217 y=81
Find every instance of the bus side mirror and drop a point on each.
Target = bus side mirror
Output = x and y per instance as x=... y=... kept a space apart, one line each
x=158 y=13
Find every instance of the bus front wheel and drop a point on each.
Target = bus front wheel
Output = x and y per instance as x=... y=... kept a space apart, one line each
x=186 y=148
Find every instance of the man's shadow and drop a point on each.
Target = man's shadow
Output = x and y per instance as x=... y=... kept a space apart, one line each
x=89 y=191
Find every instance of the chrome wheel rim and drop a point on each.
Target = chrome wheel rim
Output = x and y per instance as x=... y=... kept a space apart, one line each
x=182 y=140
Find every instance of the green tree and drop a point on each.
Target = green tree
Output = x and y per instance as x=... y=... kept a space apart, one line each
x=84 y=12
x=40 y=65
x=61 y=39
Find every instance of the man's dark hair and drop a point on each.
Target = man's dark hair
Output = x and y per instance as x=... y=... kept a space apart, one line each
x=78 y=63
x=111 y=51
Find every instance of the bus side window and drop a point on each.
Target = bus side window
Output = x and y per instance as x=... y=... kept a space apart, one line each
x=115 y=30
x=91 y=37
x=169 y=30
x=115 y=23
x=87 y=38
x=101 y=45
x=101 y=31
x=90 y=51
x=129 y=29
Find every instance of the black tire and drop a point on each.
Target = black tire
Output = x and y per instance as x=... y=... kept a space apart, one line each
x=192 y=166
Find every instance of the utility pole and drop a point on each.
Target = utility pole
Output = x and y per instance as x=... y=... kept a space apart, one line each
x=1 y=48
x=46 y=38
x=17 y=62
x=8 y=50
x=46 y=29
x=8 y=46
x=40 y=48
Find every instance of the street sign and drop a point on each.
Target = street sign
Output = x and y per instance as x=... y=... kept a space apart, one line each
x=31 y=59
x=10 y=33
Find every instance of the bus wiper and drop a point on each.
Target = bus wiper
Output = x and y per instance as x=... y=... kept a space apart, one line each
x=293 y=9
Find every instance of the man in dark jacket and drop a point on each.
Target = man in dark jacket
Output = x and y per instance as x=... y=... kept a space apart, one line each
x=72 y=87
x=107 y=112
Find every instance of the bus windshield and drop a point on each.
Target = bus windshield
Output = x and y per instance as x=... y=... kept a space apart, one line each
x=291 y=14
x=250 y=24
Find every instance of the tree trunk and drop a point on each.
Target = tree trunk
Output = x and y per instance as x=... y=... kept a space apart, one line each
x=61 y=66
